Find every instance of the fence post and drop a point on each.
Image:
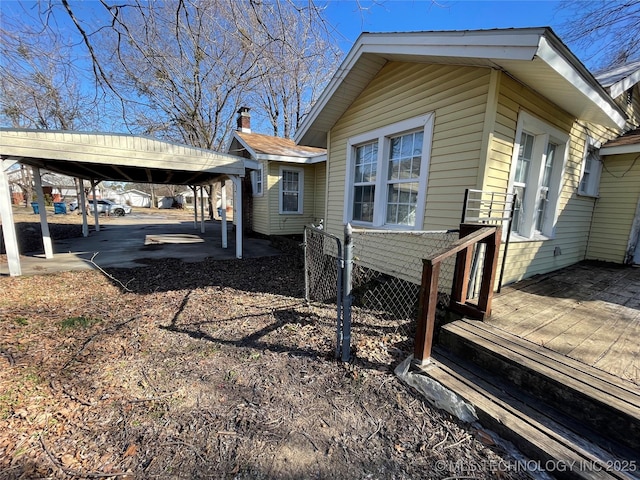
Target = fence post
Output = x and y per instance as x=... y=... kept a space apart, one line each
x=306 y=266
x=347 y=299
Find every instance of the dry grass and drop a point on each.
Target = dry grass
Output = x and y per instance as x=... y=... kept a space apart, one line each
x=209 y=370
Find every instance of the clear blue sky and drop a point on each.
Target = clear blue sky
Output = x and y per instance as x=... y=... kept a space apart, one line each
x=351 y=17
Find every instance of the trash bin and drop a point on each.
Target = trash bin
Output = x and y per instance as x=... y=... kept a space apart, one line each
x=59 y=207
x=36 y=208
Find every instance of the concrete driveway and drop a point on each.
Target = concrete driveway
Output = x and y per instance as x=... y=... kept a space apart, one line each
x=126 y=242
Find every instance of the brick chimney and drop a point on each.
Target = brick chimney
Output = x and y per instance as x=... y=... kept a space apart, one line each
x=244 y=120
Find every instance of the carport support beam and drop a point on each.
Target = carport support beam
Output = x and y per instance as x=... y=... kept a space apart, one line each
x=83 y=208
x=201 y=209
x=223 y=213
x=95 y=205
x=237 y=212
x=46 y=235
x=8 y=227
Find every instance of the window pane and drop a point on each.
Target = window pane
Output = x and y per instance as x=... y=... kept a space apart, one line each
x=289 y=202
x=366 y=163
x=405 y=156
x=518 y=211
x=524 y=158
x=363 y=203
x=548 y=165
x=402 y=200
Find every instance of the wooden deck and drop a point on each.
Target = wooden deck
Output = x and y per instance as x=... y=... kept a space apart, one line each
x=588 y=312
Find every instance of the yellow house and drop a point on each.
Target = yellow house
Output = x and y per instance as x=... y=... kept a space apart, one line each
x=287 y=188
x=412 y=120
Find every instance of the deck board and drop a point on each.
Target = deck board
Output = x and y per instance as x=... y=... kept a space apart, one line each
x=589 y=312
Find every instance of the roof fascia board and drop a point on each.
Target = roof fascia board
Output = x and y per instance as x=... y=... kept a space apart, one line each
x=620 y=150
x=245 y=145
x=494 y=45
x=378 y=44
x=560 y=59
x=286 y=159
x=625 y=84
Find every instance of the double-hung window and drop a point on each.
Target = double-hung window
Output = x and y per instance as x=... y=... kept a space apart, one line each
x=538 y=167
x=591 y=169
x=291 y=189
x=387 y=175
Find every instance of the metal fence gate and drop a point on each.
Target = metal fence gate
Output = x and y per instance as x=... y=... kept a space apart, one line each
x=377 y=298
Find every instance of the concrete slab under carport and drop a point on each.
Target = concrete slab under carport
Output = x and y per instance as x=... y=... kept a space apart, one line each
x=123 y=242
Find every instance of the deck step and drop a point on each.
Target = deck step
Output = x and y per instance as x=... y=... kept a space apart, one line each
x=553 y=448
x=600 y=403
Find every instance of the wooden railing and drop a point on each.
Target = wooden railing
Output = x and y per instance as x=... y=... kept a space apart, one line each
x=470 y=236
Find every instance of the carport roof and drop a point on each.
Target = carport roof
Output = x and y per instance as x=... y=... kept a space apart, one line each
x=118 y=157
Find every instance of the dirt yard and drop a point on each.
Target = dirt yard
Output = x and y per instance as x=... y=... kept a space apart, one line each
x=210 y=370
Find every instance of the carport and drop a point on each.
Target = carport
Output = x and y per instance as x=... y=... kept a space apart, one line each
x=100 y=157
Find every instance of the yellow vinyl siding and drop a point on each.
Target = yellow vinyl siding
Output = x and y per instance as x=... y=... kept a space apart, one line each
x=320 y=190
x=290 y=223
x=260 y=222
x=616 y=208
x=457 y=96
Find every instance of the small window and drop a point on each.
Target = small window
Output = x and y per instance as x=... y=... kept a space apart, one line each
x=257 y=181
x=291 y=190
x=591 y=169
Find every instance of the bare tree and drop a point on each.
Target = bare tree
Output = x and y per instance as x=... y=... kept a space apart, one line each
x=182 y=68
x=41 y=87
x=607 y=30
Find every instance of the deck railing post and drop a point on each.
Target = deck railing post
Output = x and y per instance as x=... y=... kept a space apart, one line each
x=426 y=312
x=489 y=271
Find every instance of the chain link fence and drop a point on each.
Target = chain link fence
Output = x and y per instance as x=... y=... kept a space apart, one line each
x=387 y=274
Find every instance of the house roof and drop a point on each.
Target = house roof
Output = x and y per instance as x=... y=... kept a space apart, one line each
x=113 y=156
x=627 y=143
x=267 y=147
x=620 y=79
x=534 y=56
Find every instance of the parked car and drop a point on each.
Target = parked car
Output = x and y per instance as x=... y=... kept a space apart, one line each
x=107 y=207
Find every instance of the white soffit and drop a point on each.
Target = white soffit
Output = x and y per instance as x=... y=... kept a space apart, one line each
x=534 y=56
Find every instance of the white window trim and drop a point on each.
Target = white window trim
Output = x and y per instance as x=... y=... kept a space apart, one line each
x=593 y=189
x=544 y=133
x=300 y=172
x=382 y=135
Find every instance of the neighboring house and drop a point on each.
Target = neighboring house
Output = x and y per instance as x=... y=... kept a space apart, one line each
x=412 y=120
x=55 y=186
x=289 y=184
x=134 y=198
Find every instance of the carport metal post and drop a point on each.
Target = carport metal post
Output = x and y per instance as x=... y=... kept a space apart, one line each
x=223 y=213
x=195 y=206
x=201 y=209
x=83 y=208
x=95 y=205
x=46 y=235
x=8 y=227
x=237 y=212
